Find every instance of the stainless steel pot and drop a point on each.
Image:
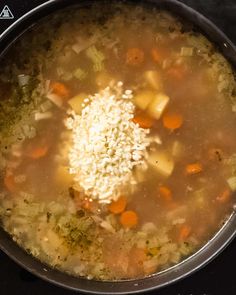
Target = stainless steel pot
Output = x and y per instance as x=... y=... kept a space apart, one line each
x=169 y=276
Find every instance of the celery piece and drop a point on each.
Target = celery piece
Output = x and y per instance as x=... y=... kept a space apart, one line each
x=80 y=74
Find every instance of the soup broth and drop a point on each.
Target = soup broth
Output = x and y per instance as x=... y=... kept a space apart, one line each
x=117 y=137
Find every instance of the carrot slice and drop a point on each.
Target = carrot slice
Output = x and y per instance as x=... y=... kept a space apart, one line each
x=9 y=183
x=118 y=206
x=134 y=56
x=224 y=197
x=143 y=120
x=158 y=54
x=60 y=89
x=172 y=121
x=165 y=193
x=193 y=168
x=38 y=152
x=184 y=233
x=129 y=219
x=177 y=73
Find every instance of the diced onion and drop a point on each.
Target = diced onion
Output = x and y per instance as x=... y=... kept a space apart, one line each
x=57 y=100
x=23 y=80
x=232 y=183
x=42 y=116
x=186 y=51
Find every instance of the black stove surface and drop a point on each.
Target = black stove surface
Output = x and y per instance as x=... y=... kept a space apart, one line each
x=217 y=277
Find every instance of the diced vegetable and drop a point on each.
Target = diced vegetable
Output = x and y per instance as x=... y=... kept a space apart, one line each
x=158 y=105
x=129 y=219
x=172 y=121
x=23 y=80
x=158 y=55
x=80 y=74
x=161 y=162
x=177 y=149
x=42 y=116
x=230 y=163
x=76 y=102
x=143 y=99
x=232 y=183
x=47 y=105
x=38 y=152
x=60 y=89
x=186 y=51
x=224 y=196
x=118 y=206
x=56 y=99
x=95 y=55
x=106 y=225
x=134 y=56
x=82 y=44
x=143 y=120
x=184 y=233
x=194 y=168
x=98 y=66
x=154 y=79
x=165 y=193
x=177 y=72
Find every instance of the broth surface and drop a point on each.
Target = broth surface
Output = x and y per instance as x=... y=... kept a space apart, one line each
x=184 y=94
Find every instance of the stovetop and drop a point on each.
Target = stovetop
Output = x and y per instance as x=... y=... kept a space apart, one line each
x=216 y=278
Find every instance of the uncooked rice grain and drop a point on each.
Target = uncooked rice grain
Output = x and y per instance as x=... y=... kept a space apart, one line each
x=107 y=144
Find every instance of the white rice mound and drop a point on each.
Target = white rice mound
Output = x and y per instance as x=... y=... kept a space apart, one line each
x=107 y=144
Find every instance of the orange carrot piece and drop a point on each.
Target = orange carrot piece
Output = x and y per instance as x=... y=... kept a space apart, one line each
x=9 y=183
x=60 y=89
x=184 y=233
x=158 y=55
x=118 y=206
x=129 y=219
x=87 y=204
x=143 y=120
x=134 y=56
x=193 y=168
x=38 y=152
x=165 y=193
x=177 y=73
x=172 y=121
x=224 y=197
